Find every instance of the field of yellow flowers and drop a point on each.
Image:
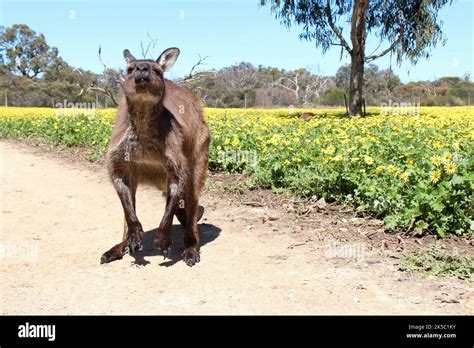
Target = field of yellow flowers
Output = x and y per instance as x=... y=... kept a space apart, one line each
x=414 y=171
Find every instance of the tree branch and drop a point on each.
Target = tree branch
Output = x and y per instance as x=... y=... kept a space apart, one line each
x=384 y=52
x=335 y=29
x=355 y=14
x=151 y=44
x=294 y=82
x=105 y=91
x=192 y=76
x=392 y=46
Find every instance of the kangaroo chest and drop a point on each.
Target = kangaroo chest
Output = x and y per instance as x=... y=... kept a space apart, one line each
x=141 y=149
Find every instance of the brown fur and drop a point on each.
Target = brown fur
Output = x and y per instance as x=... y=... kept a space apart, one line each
x=307 y=116
x=159 y=138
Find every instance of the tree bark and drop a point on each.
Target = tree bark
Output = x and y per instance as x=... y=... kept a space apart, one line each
x=358 y=37
x=356 y=83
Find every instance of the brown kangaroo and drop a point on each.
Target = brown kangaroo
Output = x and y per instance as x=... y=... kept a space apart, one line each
x=307 y=116
x=159 y=138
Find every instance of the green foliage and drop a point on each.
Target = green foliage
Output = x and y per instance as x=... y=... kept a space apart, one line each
x=26 y=52
x=333 y=97
x=414 y=172
x=84 y=129
x=412 y=27
x=383 y=166
x=438 y=262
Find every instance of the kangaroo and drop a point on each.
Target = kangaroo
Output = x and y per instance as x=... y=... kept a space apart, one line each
x=307 y=116
x=159 y=138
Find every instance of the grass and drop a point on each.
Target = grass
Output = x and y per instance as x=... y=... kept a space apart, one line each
x=437 y=261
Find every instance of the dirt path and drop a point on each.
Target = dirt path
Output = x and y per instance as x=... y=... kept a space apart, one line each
x=59 y=216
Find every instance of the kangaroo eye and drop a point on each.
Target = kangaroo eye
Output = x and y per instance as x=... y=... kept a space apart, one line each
x=158 y=72
x=129 y=70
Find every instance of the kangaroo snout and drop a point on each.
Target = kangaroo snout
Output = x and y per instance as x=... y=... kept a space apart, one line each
x=142 y=73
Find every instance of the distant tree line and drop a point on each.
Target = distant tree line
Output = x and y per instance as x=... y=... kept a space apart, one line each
x=33 y=74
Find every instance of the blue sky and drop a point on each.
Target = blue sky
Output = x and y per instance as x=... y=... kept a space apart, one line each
x=227 y=31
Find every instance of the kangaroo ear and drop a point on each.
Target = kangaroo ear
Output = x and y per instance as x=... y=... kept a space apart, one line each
x=128 y=56
x=167 y=59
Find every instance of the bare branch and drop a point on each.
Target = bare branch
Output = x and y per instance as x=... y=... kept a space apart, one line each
x=315 y=87
x=200 y=62
x=195 y=77
x=100 y=58
x=192 y=76
x=380 y=43
x=106 y=69
x=335 y=29
x=203 y=97
x=381 y=54
x=105 y=91
x=151 y=44
x=295 y=89
x=393 y=45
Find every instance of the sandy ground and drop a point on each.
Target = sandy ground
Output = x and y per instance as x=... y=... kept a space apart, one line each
x=58 y=217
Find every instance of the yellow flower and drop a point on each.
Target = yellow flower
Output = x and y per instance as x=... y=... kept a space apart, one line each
x=368 y=160
x=435 y=176
x=436 y=160
x=295 y=159
x=391 y=168
x=355 y=159
x=352 y=149
x=337 y=158
x=410 y=163
x=329 y=150
x=236 y=143
x=446 y=157
x=379 y=169
x=404 y=176
x=450 y=168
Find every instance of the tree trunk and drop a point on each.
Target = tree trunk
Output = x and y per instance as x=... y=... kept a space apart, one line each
x=358 y=36
x=356 y=83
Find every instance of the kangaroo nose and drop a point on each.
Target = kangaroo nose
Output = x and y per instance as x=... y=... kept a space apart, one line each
x=142 y=73
x=142 y=68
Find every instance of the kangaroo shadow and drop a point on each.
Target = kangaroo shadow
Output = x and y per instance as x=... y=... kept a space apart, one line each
x=207 y=233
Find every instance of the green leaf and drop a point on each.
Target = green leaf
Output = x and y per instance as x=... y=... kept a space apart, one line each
x=437 y=206
x=391 y=221
x=457 y=179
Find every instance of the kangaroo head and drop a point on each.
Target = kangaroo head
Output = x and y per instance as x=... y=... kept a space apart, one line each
x=144 y=80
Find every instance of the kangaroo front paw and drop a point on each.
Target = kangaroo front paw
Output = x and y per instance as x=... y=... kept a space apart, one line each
x=163 y=243
x=134 y=244
x=191 y=256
